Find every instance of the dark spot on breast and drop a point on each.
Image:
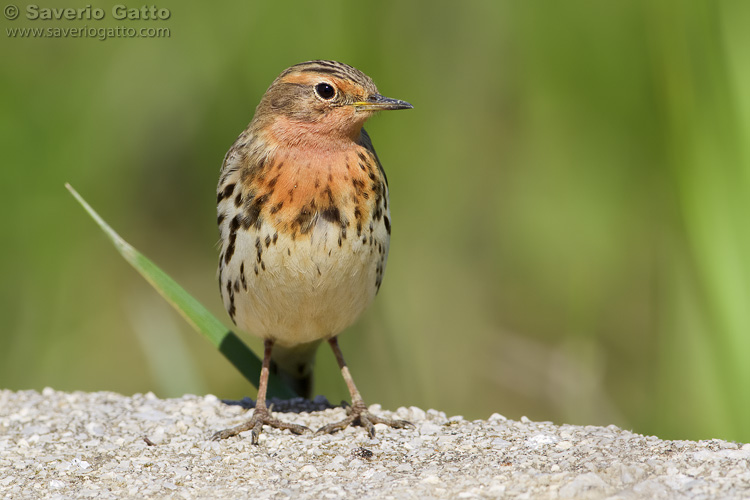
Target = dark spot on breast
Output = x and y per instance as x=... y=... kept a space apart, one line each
x=230 y=293
x=305 y=218
x=219 y=219
x=225 y=193
x=259 y=248
x=233 y=226
x=378 y=190
x=359 y=186
x=268 y=240
x=276 y=207
x=387 y=224
x=379 y=275
x=252 y=211
x=273 y=182
x=331 y=214
x=359 y=228
x=275 y=237
x=362 y=166
x=238 y=200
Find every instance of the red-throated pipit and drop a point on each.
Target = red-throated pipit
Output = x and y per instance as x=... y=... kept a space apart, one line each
x=305 y=227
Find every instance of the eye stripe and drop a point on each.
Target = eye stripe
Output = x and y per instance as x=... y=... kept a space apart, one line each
x=328 y=71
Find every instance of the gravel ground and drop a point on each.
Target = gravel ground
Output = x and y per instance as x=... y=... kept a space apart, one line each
x=57 y=445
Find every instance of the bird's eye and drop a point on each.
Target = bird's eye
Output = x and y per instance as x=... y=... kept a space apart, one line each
x=325 y=90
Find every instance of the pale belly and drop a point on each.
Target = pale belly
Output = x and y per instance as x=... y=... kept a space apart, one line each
x=305 y=289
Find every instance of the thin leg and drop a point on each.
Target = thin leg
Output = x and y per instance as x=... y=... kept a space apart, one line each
x=261 y=414
x=357 y=414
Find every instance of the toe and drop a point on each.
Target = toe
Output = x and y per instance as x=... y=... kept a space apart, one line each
x=367 y=423
x=255 y=433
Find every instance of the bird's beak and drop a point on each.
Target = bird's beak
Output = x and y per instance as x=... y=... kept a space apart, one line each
x=377 y=102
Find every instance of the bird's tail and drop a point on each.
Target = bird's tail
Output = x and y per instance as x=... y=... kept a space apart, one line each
x=294 y=365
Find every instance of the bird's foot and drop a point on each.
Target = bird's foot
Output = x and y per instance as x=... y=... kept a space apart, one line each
x=359 y=415
x=261 y=416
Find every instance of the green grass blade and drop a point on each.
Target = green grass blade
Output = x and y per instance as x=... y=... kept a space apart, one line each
x=229 y=344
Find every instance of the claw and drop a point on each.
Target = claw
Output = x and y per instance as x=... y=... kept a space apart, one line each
x=261 y=416
x=359 y=415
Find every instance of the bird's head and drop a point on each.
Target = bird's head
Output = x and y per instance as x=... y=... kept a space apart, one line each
x=321 y=100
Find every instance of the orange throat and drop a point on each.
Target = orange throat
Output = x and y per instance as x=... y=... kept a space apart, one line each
x=311 y=176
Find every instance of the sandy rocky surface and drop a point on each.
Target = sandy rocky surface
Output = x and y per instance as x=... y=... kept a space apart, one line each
x=57 y=445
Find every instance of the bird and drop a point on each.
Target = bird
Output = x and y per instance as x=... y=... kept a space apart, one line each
x=305 y=225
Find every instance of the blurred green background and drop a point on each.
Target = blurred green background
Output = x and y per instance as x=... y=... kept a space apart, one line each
x=570 y=201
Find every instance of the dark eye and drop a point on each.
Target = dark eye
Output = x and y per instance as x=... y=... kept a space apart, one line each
x=325 y=90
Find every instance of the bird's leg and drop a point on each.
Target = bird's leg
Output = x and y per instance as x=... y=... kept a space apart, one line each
x=261 y=414
x=357 y=413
